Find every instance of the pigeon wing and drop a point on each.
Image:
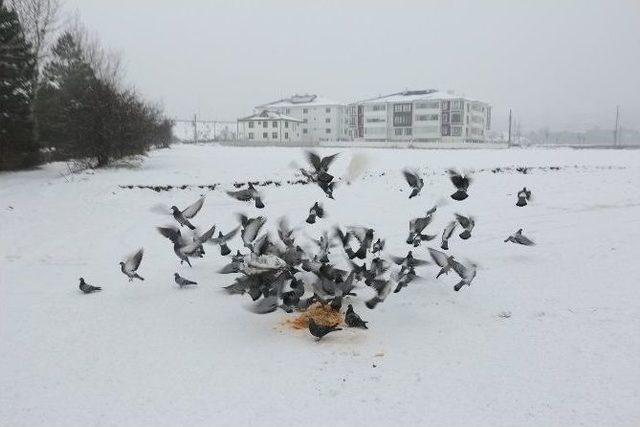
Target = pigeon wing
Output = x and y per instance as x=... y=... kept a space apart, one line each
x=133 y=262
x=438 y=257
x=314 y=159
x=242 y=195
x=192 y=210
x=463 y=220
x=170 y=232
x=411 y=177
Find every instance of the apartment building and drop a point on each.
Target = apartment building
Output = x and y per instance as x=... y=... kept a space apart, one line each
x=269 y=126
x=321 y=119
x=421 y=116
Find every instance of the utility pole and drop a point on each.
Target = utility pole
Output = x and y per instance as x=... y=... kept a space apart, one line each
x=509 y=141
x=195 y=129
x=616 y=131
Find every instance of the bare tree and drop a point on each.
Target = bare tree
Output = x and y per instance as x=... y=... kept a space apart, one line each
x=39 y=19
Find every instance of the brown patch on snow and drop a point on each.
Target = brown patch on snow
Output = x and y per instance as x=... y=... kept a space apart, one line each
x=322 y=315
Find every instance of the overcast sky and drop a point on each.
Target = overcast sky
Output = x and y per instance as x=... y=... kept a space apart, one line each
x=562 y=64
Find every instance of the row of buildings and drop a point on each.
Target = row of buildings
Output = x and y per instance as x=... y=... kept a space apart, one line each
x=412 y=115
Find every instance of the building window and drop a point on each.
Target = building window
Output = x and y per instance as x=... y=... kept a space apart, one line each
x=251 y=125
x=457 y=105
x=398 y=131
x=407 y=131
x=456 y=130
x=381 y=107
x=426 y=117
x=456 y=117
x=327 y=130
x=327 y=110
x=286 y=125
x=304 y=131
x=274 y=135
x=427 y=105
x=445 y=105
x=446 y=131
x=304 y=120
x=274 y=124
x=327 y=120
x=286 y=135
x=265 y=135
x=250 y=135
x=265 y=124
x=287 y=111
x=445 y=117
x=305 y=110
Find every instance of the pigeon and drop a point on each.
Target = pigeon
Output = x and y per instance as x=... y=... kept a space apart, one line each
x=378 y=246
x=248 y=194
x=406 y=278
x=442 y=260
x=320 y=331
x=250 y=229
x=466 y=273
x=285 y=233
x=520 y=239
x=184 y=216
x=328 y=188
x=130 y=267
x=447 y=233
x=321 y=166
x=184 y=248
x=408 y=262
x=365 y=237
x=524 y=196
x=417 y=225
x=382 y=288
x=353 y=320
x=467 y=223
x=414 y=181
x=87 y=288
x=182 y=282
x=315 y=211
x=461 y=183
x=222 y=240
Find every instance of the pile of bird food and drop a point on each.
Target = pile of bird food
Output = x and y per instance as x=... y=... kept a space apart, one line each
x=321 y=314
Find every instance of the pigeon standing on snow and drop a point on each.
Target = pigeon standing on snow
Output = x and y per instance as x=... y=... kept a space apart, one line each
x=184 y=216
x=467 y=223
x=87 y=288
x=520 y=239
x=466 y=273
x=461 y=183
x=353 y=320
x=247 y=195
x=320 y=331
x=414 y=181
x=447 y=233
x=182 y=282
x=315 y=211
x=524 y=196
x=442 y=260
x=130 y=267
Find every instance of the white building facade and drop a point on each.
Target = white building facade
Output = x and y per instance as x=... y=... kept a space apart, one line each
x=269 y=126
x=421 y=116
x=321 y=119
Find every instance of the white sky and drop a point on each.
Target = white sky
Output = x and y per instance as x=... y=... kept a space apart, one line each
x=562 y=64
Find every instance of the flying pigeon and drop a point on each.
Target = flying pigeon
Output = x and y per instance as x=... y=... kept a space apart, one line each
x=524 y=196
x=378 y=246
x=222 y=240
x=447 y=233
x=182 y=282
x=417 y=225
x=364 y=235
x=250 y=229
x=461 y=183
x=285 y=233
x=327 y=187
x=467 y=223
x=414 y=181
x=442 y=260
x=320 y=331
x=87 y=288
x=353 y=320
x=184 y=216
x=408 y=262
x=520 y=239
x=247 y=195
x=406 y=277
x=315 y=211
x=383 y=289
x=130 y=267
x=466 y=273
x=321 y=166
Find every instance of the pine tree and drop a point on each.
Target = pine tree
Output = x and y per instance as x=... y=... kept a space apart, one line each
x=17 y=147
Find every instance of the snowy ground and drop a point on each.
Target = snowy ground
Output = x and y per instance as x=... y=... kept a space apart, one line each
x=152 y=354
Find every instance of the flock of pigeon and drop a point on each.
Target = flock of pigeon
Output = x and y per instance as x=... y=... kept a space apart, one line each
x=277 y=273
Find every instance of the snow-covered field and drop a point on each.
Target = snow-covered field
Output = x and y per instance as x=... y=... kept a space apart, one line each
x=149 y=353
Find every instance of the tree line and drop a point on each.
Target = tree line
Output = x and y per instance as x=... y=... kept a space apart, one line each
x=62 y=98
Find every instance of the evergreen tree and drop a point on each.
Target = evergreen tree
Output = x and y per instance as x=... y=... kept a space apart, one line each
x=17 y=147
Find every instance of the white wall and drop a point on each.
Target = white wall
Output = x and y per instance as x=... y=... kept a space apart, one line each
x=316 y=125
x=273 y=134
